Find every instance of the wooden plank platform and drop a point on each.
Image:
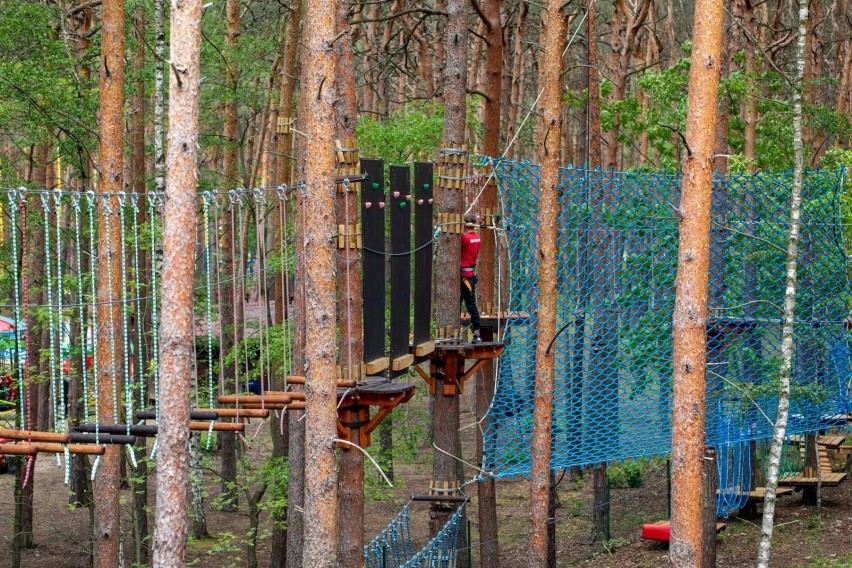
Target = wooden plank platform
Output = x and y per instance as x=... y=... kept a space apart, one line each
x=758 y=494
x=494 y=319
x=378 y=385
x=832 y=441
x=484 y=350
x=828 y=480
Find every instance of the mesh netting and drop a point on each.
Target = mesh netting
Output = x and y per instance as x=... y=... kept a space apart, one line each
x=394 y=546
x=618 y=238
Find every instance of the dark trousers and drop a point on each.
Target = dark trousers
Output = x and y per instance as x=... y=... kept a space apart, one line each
x=468 y=296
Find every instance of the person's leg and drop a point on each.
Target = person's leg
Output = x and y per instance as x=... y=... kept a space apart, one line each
x=468 y=291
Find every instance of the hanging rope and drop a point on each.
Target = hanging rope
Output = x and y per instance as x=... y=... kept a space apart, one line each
x=19 y=360
x=93 y=274
x=75 y=202
x=45 y=207
x=140 y=360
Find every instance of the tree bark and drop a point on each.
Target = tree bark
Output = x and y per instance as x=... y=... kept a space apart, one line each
x=785 y=371
x=232 y=298
x=177 y=349
x=351 y=345
x=317 y=85
x=139 y=481
x=446 y=470
x=281 y=529
x=106 y=484
x=555 y=25
x=690 y=312
x=489 y=548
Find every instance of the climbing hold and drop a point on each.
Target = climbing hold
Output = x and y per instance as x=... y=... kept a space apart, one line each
x=375 y=185
x=396 y=195
x=381 y=204
x=430 y=202
x=402 y=204
x=419 y=202
x=367 y=204
x=426 y=186
x=408 y=198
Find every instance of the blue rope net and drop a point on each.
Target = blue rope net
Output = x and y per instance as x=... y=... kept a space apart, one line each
x=394 y=548
x=618 y=239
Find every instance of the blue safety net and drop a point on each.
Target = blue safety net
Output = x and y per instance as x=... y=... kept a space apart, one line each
x=394 y=548
x=618 y=243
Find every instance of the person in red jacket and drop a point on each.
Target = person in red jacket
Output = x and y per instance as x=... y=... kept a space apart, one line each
x=469 y=251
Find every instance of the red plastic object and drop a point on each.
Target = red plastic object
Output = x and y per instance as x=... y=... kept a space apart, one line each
x=656 y=531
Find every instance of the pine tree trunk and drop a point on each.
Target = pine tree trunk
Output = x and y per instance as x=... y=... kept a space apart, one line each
x=317 y=117
x=351 y=483
x=106 y=483
x=281 y=427
x=547 y=143
x=690 y=311
x=446 y=470
x=177 y=346
x=231 y=297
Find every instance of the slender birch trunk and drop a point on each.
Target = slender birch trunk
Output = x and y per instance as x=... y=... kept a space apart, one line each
x=787 y=337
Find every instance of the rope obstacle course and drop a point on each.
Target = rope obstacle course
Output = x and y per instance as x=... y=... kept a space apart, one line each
x=613 y=356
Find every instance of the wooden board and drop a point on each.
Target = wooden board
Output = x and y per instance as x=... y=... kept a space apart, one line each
x=423 y=205
x=373 y=262
x=828 y=480
x=400 y=269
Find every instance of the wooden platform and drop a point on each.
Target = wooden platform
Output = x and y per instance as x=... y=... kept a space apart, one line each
x=758 y=495
x=448 y=364
x=832 y=441
x=375 y=386
x=354 y=421
x=828 y=480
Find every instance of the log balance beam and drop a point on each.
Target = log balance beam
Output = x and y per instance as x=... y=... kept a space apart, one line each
x=148 y=430
x=214 y=414
x=70 y=438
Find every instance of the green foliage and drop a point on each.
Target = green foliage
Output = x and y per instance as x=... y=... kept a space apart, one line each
x=412 y=132
x=628 y=474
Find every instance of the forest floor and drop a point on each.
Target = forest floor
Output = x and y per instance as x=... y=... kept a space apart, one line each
x=802 y=539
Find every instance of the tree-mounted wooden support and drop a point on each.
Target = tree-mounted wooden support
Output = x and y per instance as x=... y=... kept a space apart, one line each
x=349 y=237
x=353 y=413
x=285 y=124
x=348 y=166
x=451 y=169
x=447 y=365
x=452 y=223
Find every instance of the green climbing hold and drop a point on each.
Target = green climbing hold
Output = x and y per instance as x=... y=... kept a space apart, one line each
x=375 y=185
x=426 y=186
x=403 y=204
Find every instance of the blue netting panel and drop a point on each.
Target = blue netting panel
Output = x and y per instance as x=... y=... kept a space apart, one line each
x=441 y=551
x=393 y=546
x=618 y=237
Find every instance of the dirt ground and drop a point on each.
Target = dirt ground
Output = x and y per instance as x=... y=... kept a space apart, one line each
x=802 y=538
